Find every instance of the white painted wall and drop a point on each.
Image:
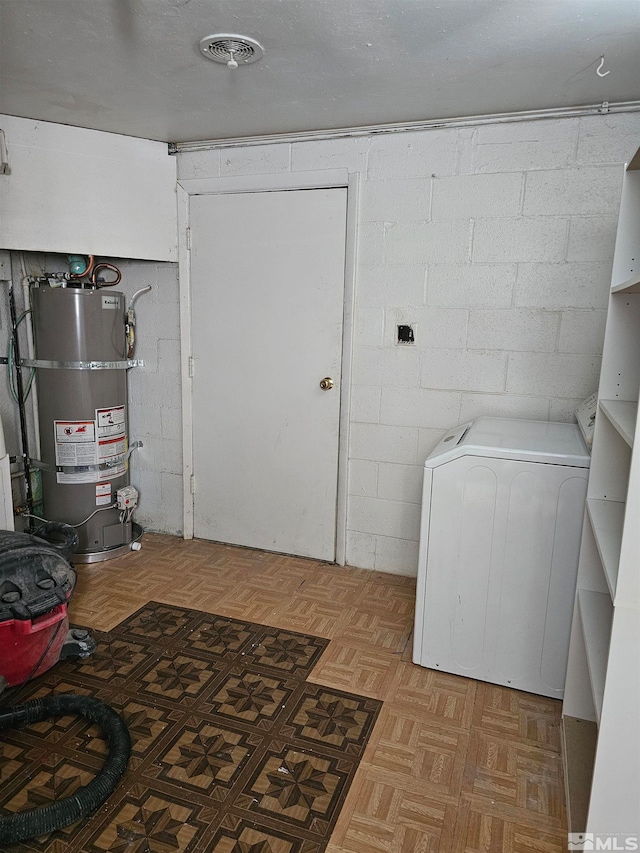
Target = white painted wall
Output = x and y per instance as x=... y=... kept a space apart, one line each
x=82 y=191
x=496 y=242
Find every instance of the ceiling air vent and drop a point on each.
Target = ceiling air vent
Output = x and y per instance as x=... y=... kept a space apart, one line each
x=232 y=50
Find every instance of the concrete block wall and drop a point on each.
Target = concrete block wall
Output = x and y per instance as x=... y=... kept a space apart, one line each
x=495 y=244
x=155 y=406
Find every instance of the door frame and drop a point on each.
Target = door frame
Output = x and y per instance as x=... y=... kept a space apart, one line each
x=324 y=179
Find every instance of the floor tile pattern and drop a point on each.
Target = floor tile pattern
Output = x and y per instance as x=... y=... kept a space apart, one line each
x=452 y=765
x=233 y=749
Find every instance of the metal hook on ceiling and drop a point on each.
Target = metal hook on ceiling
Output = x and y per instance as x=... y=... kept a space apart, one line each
x=599 y=72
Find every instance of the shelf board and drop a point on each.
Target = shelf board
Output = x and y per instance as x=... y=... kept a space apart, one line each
x=622 y=415
x=607 y=521
x=596 y=611
x=579 y=738
x=631 y=285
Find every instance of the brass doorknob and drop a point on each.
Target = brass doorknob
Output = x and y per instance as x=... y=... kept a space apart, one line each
x=326 y=383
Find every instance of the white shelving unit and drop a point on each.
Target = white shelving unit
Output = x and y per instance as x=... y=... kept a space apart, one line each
x=623 y=416
x=607 y=522
x=596 y=612
x=601 y=711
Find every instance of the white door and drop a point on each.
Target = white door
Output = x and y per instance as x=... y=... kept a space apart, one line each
x=267 y=295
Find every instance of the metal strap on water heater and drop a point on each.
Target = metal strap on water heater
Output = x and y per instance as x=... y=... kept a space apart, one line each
x=83 y=365
x=101 y=466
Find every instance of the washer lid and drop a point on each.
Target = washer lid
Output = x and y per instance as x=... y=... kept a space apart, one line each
x=507 y=438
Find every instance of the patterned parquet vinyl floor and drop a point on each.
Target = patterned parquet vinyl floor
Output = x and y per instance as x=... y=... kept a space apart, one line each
x=451 y=765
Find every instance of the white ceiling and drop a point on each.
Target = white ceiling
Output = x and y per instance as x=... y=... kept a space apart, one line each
x=133 y=66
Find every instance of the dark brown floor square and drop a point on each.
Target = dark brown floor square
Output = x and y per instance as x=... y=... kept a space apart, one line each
x=235 y=835
x=147 y=820
x=324 y=717
x=205 y=758
x=286 y=652
x=250 y=697
x=158 y=622
x=218 y=636
x=302 y=789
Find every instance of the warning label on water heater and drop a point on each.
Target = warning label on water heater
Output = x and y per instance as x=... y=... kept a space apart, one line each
x=112 y=440
x=76 y=451
x=75 y=443
x=103 y=494
x=92 y=451
x=110 y=422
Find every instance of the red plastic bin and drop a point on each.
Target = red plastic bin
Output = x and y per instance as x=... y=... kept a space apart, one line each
x=23 y=642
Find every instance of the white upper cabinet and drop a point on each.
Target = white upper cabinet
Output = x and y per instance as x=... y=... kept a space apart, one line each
x=79 y=191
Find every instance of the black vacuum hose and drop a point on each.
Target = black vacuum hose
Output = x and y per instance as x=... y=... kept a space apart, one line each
x=22 y=826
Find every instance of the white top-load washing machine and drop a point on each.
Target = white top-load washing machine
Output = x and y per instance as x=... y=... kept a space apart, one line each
x=502 y=513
